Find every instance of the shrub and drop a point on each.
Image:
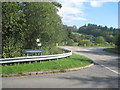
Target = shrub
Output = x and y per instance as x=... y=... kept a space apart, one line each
x=100 y=40
x=62 y=70
x=82 y=42
x=70 y=42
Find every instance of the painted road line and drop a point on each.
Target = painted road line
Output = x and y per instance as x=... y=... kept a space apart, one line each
x=110 y=69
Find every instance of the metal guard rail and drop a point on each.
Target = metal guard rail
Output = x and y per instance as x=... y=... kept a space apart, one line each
x=34 y=58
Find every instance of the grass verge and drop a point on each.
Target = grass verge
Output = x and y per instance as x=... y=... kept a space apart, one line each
x=112 y=50
x=60 y=64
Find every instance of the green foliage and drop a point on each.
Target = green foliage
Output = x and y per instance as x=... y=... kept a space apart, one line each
x=107 y=44
x=24 y=22
x=44 y=21
x=112 y=50
x=75 y=37
x=92 y=29
x=100 y=40
x=84 y=38
x=70 y=42
x=117 y=40
x=76 y=33
x=68 y=30
x=12 y=28
x=57 y=4
x=82 y=42
x=75 y=44
x=50 y=50
x=62 y=70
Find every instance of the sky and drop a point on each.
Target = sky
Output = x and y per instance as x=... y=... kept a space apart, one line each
x=81 y=12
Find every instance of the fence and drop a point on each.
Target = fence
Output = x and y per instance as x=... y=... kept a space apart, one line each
x=34 y=58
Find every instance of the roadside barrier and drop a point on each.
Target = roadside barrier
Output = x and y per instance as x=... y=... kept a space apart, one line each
x=34 y=58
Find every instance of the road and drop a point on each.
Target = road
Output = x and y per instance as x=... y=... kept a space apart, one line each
x=104 y=74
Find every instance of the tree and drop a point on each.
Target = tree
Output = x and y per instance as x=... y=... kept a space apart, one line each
x=100 y=40
x=24 y=22
x=92 y=29
x=75 y=28
x=82 y=42
x=44 y=23
x=70 y=42
x=12 y=28
x=117 y=40
x=57 y=4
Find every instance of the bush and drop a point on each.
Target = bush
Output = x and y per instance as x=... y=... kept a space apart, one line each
x=75 y=44
x=100 y=40
x=93 y=44
x=62 y=70
x=112 y=44
x=117 y=41
x=107 y=44
x=82 y=42
x=70 y=42
x=52 y=50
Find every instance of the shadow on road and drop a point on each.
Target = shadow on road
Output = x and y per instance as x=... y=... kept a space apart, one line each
x=97 y=53
x=81 y=59
x=110 y=62
x=110 y=81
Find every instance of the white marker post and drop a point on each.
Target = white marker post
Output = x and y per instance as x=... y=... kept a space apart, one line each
x=39 y=44
x=38 y=40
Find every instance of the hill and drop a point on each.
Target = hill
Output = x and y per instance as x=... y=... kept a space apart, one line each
x=92 y=29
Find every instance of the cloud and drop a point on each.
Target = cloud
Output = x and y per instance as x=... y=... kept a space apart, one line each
x=71 y=7
x=72 y=18
x=96 y=3
x=73 y=10
x=78 y=18
x=99 y=3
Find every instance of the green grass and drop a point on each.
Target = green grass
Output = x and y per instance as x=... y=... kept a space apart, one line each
x=77 y=33
x=112 y=50
x=75 y=44
x=60 y=64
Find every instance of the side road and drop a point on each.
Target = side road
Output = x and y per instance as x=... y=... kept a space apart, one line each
x=99 y=56
x=104 y=74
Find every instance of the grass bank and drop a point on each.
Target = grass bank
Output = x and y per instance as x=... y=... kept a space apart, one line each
x=60 y=64
x=112 y=50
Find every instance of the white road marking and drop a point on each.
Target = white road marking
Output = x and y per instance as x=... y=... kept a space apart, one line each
x=98 y=63
x=110 y=69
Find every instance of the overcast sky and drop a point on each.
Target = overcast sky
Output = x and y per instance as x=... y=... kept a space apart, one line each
x=81 y=12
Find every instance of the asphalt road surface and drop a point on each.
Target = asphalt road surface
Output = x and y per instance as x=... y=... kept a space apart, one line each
x=104 y=74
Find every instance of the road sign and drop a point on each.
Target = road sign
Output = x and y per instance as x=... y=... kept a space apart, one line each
x=90 y=39
x=38 y=40
x=34 y=51
x=39 y=44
